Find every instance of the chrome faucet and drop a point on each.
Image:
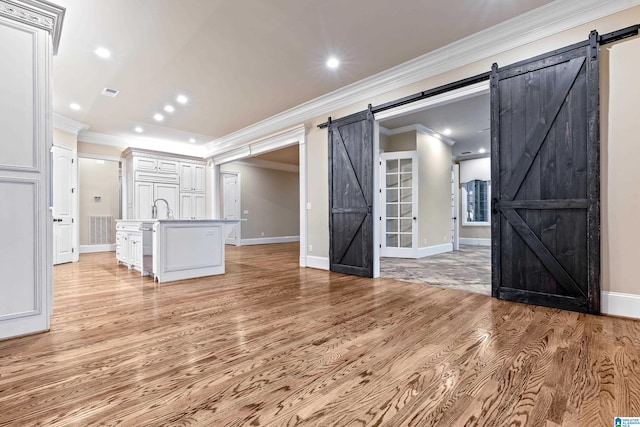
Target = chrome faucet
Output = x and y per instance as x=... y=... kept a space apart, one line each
x=154 y=209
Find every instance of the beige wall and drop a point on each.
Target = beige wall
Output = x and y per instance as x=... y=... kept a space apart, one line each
x=620 y=99
x=470 y=170
x=434 y=188
x=65 y=138
x=97 y=179
x=272 y=199
x=99 y=149
x=402 y=142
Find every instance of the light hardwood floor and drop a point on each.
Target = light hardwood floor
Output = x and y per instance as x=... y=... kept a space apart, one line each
x=272 y=344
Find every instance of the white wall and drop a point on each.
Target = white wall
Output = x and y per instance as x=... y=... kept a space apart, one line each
x=470 y=170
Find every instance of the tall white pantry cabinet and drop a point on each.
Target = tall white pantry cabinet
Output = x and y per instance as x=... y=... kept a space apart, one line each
x=29 y=35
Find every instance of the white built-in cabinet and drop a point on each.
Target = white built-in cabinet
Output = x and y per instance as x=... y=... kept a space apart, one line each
x=192 y=178
x=29 y=35
x=151 y=175
x=192 y=206
x=133 y=243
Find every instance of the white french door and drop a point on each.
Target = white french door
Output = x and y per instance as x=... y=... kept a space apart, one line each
x=399 y=204
x=63 y=204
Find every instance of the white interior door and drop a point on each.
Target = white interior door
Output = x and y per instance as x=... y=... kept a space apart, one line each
x=231 y=203
x=455 y=224
x=400 y=204
x=63 y=205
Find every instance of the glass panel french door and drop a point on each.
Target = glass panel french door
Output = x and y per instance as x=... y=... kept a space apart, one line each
x=399 y=194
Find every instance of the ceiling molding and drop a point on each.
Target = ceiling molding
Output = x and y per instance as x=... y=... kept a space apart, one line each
x=418 y=128
x=66 y=124
x=232 y=156
x=545 y=21
x=146 y=144
x=268 y=164
x=472 y=156
x=36 y=13
x=275 y=141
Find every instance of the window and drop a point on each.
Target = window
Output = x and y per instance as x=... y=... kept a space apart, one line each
x=475 y=203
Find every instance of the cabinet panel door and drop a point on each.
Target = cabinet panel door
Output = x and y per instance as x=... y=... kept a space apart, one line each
x=136 y=246
x=171 y=193
x=186 y=177
x=185 y=206
x=198 y=206
x=199 y=178
x=140 y=163
x=168 y=166
x=143 y=200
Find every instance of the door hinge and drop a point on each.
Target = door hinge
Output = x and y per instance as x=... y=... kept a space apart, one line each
x=72 y=161
x=73 y=190
x=380 y=190
x=380 y=218
x=73 y=250
x=73 y=220
x=380 y=246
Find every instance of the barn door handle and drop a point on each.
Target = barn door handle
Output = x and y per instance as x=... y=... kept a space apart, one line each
x=494 y=206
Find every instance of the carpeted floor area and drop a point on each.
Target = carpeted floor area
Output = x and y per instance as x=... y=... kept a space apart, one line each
x=468 y=269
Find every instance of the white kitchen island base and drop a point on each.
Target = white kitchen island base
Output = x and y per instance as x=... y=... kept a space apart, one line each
x=186 y=249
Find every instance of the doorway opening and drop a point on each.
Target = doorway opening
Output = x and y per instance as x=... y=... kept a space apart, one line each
x=435 y=184
x=264 y=192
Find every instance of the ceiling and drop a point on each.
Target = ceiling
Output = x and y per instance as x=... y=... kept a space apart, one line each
x=468 y=119
x=240 y=62
x=289 y=155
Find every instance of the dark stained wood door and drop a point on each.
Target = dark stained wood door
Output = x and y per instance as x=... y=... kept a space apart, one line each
x=545 y=180
x=351 y=194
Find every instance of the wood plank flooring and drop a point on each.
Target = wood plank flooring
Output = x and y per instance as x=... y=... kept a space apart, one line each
x=270 y=344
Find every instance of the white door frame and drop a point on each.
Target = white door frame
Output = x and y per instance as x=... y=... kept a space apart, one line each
x=296 y=135
x=238 y=240
x=74 y=197
x=442 y=99
x=455 y=194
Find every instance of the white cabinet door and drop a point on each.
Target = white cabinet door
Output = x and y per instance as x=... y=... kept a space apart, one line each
x=141 y=163
x=199 y=178
x=185 y=206
x=167 y=166
x=171 y=193
x=199 y=206
x=144 y=197
x=135 y=256
x=186 y=177
x=121 y=247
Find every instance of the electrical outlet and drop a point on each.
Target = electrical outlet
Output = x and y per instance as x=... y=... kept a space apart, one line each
x=309 y=206
x=246 y=212
x=444 y=239
x=425 y=240
x=310 y=248
x=262 y=234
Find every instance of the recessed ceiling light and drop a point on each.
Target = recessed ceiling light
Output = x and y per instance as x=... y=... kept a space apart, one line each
x=75 y=106
x=182 y=99
x=192 y=140
x=333 y=62
x=103 y=52
x=482 y=151
x=169 y=108
x=139 y=129
x=437 y=135
x=447 y=131
x=158 y=117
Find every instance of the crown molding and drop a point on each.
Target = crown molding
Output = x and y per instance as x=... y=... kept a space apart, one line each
x=472 y=156
x=545 y=21
x=418 y=128
x=36 y=13
x=66 y=124
x=267 y=164
x=275 y=141
x=145 y=144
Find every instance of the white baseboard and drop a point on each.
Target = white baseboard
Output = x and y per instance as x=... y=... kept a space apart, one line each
x=474 y=242
x=321 y=263
x=269 y=240
x=619 y=304
x=303 y=261
x=434 y=250
x=89 y=249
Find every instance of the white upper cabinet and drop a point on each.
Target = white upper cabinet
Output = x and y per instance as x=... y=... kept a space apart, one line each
x=192 y=178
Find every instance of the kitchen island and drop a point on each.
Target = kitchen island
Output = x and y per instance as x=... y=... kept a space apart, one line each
x=178 y=249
